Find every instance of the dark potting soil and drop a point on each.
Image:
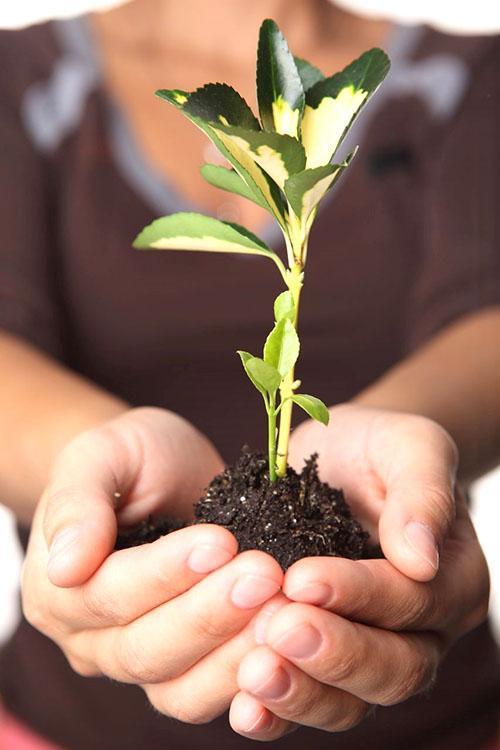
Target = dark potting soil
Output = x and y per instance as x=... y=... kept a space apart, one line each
x=296 y=516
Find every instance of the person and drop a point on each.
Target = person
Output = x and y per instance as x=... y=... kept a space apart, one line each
x=399 y=330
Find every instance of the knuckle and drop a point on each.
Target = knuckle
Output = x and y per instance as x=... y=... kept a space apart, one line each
x=417 y=609
x=343 y=665
x=300 y=705
x=440 y=505
x=34 y=614
x=478 y=615
x=185 y=711
x=32 y=608
x=349 y=718
x=101 y=606
x=415 y=678
x=133 y=659
x=81 y=667
x=208 y=623
x=189 y=714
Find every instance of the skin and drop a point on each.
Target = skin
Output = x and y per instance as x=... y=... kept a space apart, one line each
x=397 y=468
x=98 y=463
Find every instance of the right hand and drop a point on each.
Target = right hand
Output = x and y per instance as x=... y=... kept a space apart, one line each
x=176 y=616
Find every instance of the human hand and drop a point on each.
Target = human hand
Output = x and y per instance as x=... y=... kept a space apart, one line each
x=375 y=635
x=175 y=616
x=398 y=474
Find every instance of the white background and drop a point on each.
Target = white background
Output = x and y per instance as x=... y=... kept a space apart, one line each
x=486 y=514
x=478 y=17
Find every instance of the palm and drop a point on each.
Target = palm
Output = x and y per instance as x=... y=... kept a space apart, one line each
x=375 y=455
x=175 y=463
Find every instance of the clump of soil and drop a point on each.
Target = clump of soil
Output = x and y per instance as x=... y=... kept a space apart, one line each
x=294 y=517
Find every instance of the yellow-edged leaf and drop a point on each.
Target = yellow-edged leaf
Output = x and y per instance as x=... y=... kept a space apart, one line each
x=333 y=103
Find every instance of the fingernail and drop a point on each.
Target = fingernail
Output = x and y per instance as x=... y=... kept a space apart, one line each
x=208 y=557
x=300 y=642
x=250 y=590
x=422 y=541
x=312 y=593
x=277 y=685
x=62 y=543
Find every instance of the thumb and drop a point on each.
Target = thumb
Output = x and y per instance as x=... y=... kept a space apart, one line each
x=79 y=521
x=420 y=504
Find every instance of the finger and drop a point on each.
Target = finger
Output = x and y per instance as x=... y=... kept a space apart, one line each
x=372 y=592
x=420 y=505
x=79 y=522
x=376 y=665
x=205 y=690
x=291 y=694
x=131 y=582
x=167 y=641
x=248 y=717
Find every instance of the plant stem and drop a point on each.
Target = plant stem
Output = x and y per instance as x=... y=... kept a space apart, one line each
x=286 y=390
x=271 y=429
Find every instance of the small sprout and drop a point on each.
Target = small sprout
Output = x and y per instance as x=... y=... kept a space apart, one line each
x=285 y=164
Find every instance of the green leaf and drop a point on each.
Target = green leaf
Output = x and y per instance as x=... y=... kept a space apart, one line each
x=312 y=406
x=278 y=155
x=333 y=103
x=191 y=231
x=258 y=182
x=282 y=346
x=284 y=306
x=228 y=179
x=304 y=190
x=245 y=357
x=263 y=375
x=279 y=87
x=309 y=74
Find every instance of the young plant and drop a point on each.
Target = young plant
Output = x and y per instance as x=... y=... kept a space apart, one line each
x=284 y=163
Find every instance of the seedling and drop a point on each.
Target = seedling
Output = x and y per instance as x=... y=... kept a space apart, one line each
x=284 y=163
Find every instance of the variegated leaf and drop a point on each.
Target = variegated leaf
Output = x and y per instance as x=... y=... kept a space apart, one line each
x=309 y=74
x=278 y=155
x=192 y=231
x=218 y=102
x=257 y=181
x=305 y=189
x=333 y=103
x=279 y=86
x=229 y=180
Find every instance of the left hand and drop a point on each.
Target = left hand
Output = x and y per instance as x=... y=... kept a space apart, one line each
x=361 y=633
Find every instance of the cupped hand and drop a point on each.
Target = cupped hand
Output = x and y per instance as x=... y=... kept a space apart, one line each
x=368 y=632
x=175 y=616
x=398 y=474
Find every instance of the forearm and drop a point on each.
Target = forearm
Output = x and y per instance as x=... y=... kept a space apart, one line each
x=455 y=380
x=42 y=406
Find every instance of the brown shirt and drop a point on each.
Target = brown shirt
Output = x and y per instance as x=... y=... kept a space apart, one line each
x=409 y=242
